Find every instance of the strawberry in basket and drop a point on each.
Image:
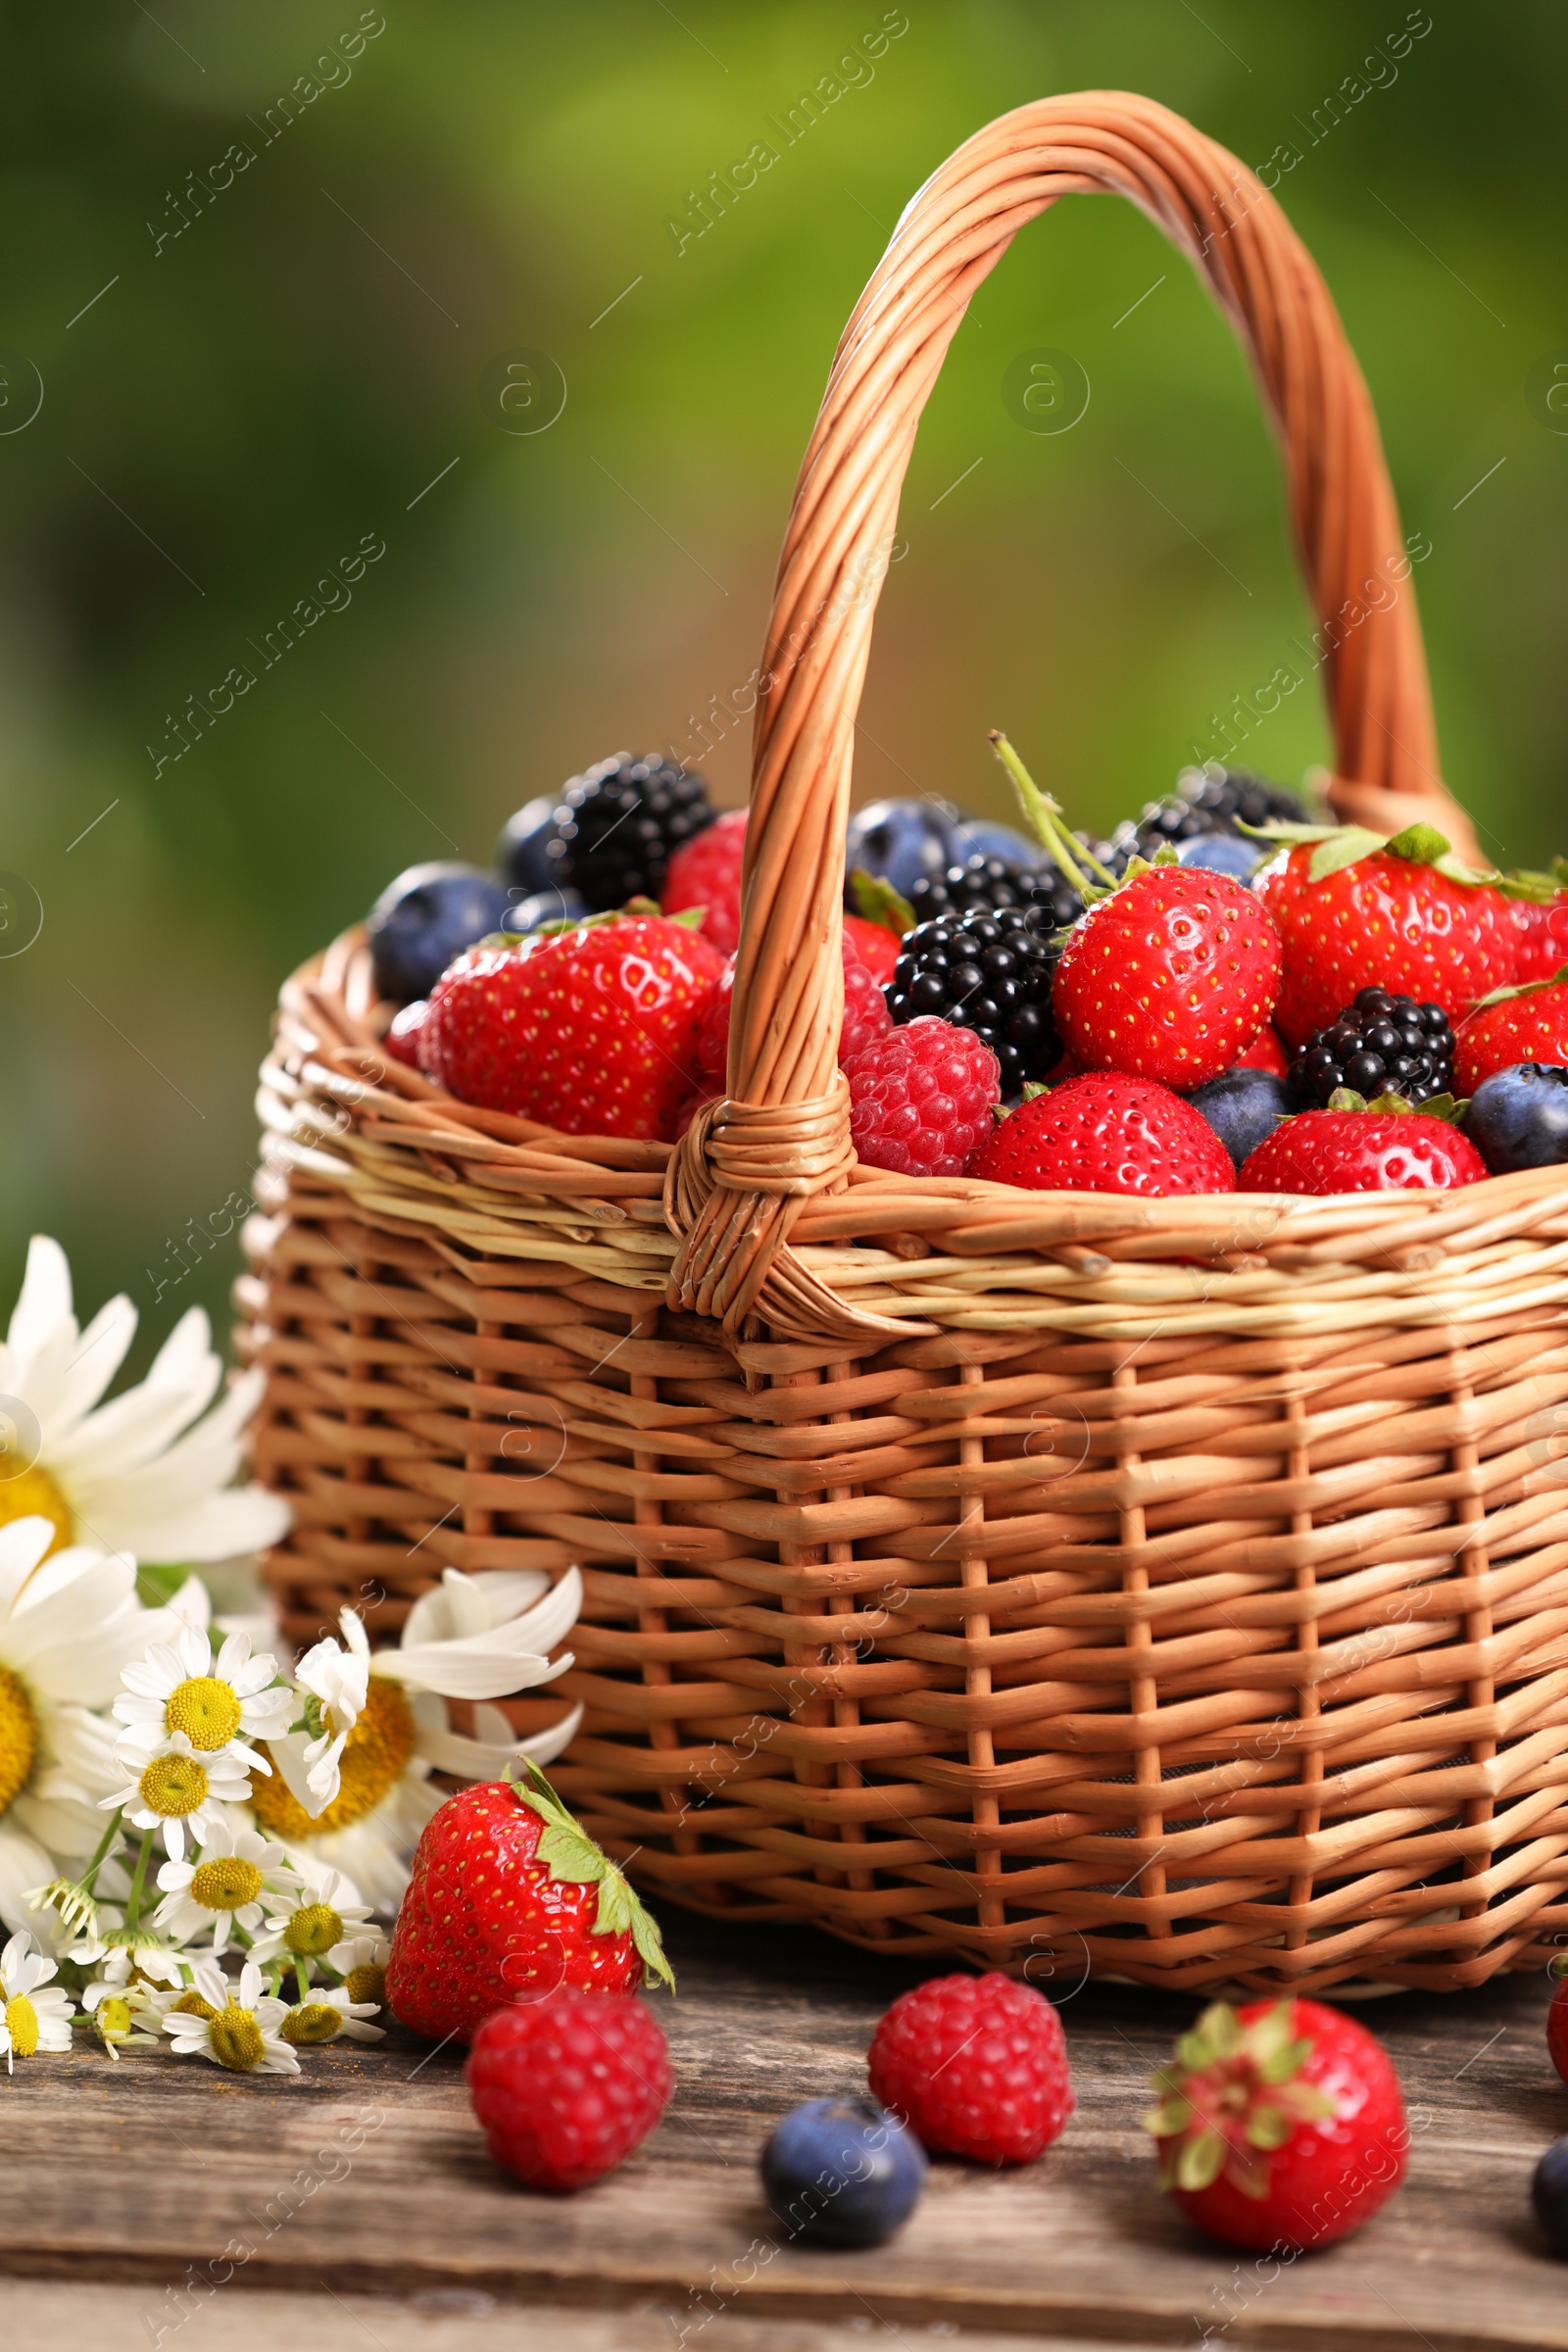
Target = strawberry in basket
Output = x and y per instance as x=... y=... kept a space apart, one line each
x=1539 y=904
x=1357 y=911
x=589 y=1027
x=1528 y=1023
x=1360 y=1146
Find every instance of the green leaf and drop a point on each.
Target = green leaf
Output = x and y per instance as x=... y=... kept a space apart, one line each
x=1172 y=2114
x=1444 y=1106
x=1523 y=988
x=649 y=1945
x=1345 y=845
x=1033 y=1087
x=1286 y=2060
x=156 y=1582
x=873 y=897
x=1345 y=1098
x=690 y=918
x=1390 y=1104
x=1271 y=2032
x=613 y=1915
x=1422 y=845
x=1270 y=2128
x=1277 y=829
x=572 y=1855
x=1202 y=2160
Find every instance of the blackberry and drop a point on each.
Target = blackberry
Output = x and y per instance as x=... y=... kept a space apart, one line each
x=612 y=831
x=1381 y=1044
x=991 y=883
x=989 y=973
x=1207 y=800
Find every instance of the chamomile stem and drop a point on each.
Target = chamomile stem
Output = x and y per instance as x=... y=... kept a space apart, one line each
x=1043 y=816
x=102 y=1855
x=133 y=1899
x=301 y=1979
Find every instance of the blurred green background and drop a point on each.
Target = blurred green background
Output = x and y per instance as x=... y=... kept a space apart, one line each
x=246 y=372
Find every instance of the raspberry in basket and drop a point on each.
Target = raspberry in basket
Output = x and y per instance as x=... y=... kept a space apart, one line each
x=1169 y=977
x=922 y=1099
x=975 y=2066
x=1104 y=1133
x=566 y=2086
x=592 y=1030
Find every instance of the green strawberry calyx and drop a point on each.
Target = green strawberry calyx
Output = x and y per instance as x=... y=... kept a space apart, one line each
x=1538 y=888
x=1230 y=2096
x=568 y=1853
x=1392 y=1106
x=873 y=897
x=1522 y=988
x=1338 y=846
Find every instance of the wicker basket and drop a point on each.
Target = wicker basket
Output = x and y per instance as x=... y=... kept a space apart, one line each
x=1175 y=1590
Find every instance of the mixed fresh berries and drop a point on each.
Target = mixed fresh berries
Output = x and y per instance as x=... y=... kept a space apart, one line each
x=1528 y=1023
x=975 y=2066
x=842 y=2173
x=1280 y=2125
x=1168 y=977
x=1383 y=1147
x=1380 y=1043
x=990 y=974
x=1105 y=1133
x=922 y=1099
x=566 y=2086
x=610 y=834
x=510 y=1899
x=1209 y=804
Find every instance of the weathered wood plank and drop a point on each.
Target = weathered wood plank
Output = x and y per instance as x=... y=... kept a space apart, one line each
x=369 y=2178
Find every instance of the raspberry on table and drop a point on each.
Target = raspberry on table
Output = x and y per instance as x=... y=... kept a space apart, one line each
x=975 y=2066
x=567 y=2085
x=922 y=1099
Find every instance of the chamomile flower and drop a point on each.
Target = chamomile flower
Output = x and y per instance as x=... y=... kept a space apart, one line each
x=475 y=1637
x=145 y=1474
x=243 y=2033
x=326 y=2015
x=329 y=1906
x=117 y=2018
x=227 y=1888
x=220 y=1704
x=70 y=1619
x=36 y=2013
x=176 y=1791
x=361 y=1961
x=338 y=1682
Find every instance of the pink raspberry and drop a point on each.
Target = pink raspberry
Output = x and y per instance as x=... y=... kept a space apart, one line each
x=865 y=1015
x=706 y=871
x=922 y=1099
x=566 y=2086
x=976 y=2066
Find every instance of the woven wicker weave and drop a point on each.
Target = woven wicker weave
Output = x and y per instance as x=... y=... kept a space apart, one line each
x=1176 y=1588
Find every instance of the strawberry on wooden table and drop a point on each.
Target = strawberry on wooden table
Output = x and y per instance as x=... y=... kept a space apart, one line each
x=1523 y=1023
x=509 y=1898
x=1280 y=2125
x=1355 y=911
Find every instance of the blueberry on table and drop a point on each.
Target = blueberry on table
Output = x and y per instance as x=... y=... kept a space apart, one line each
x=1548 y=2194
x=842 y=2173
x=1243 y=1107
x=426 y=916
x=903 y=839
x=1518 y=1118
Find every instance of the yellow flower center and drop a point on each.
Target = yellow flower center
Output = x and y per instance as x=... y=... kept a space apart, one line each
x=366 y=1984
x=237 y=2038
x=312 y=1930
x=112 y=2018
x=192 y=2004
x=18 y=1731
x=225 y=1884
x=204 y=1709
x=21 y=2023
x=377 y=1748
x=173 y=1785
x=33 y=1495
x=313 y=2021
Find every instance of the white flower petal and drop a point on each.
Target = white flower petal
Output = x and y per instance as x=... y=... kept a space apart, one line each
x=44 y=1300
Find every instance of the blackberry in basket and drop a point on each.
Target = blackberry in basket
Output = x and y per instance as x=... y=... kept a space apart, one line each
x=989 y=973
x=989 y=884
x=1381 y=1044
x=611 y=835
x=1207 y=800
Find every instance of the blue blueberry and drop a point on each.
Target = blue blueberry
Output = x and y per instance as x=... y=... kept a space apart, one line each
x=983 y=839
x=1243 y=1107
x=426 y=916
x=555 y=905
x=905 y=839
x=522 y=852
x=842 y=2173
x=1518 y=1118
x=1548 y=2194
x=1222 y=854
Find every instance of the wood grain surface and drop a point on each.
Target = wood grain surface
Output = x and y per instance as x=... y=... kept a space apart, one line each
x=146 y=2202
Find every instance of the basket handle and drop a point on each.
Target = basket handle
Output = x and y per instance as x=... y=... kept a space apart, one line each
x=747 y=1165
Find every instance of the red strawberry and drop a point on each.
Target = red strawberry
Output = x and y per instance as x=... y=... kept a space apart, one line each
x=1528 y=1023
x=1557 y=2018
x=1280 y=2125
x=865 y=1013
x=876 y=945
x=1356 y=911
x=402 y=1039
x=1266 y=1052
x=1540 y=927
x=507 y=1897
x=1362 y=1151
x=592 y=1030
x=1104 y=1133
x=707 y=873
x=566 y=2086
x=1168 y=977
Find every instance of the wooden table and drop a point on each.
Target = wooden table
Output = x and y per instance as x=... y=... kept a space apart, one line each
x=360 y=2195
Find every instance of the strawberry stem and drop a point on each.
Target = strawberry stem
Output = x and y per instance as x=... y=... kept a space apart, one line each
x=1044 y=815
